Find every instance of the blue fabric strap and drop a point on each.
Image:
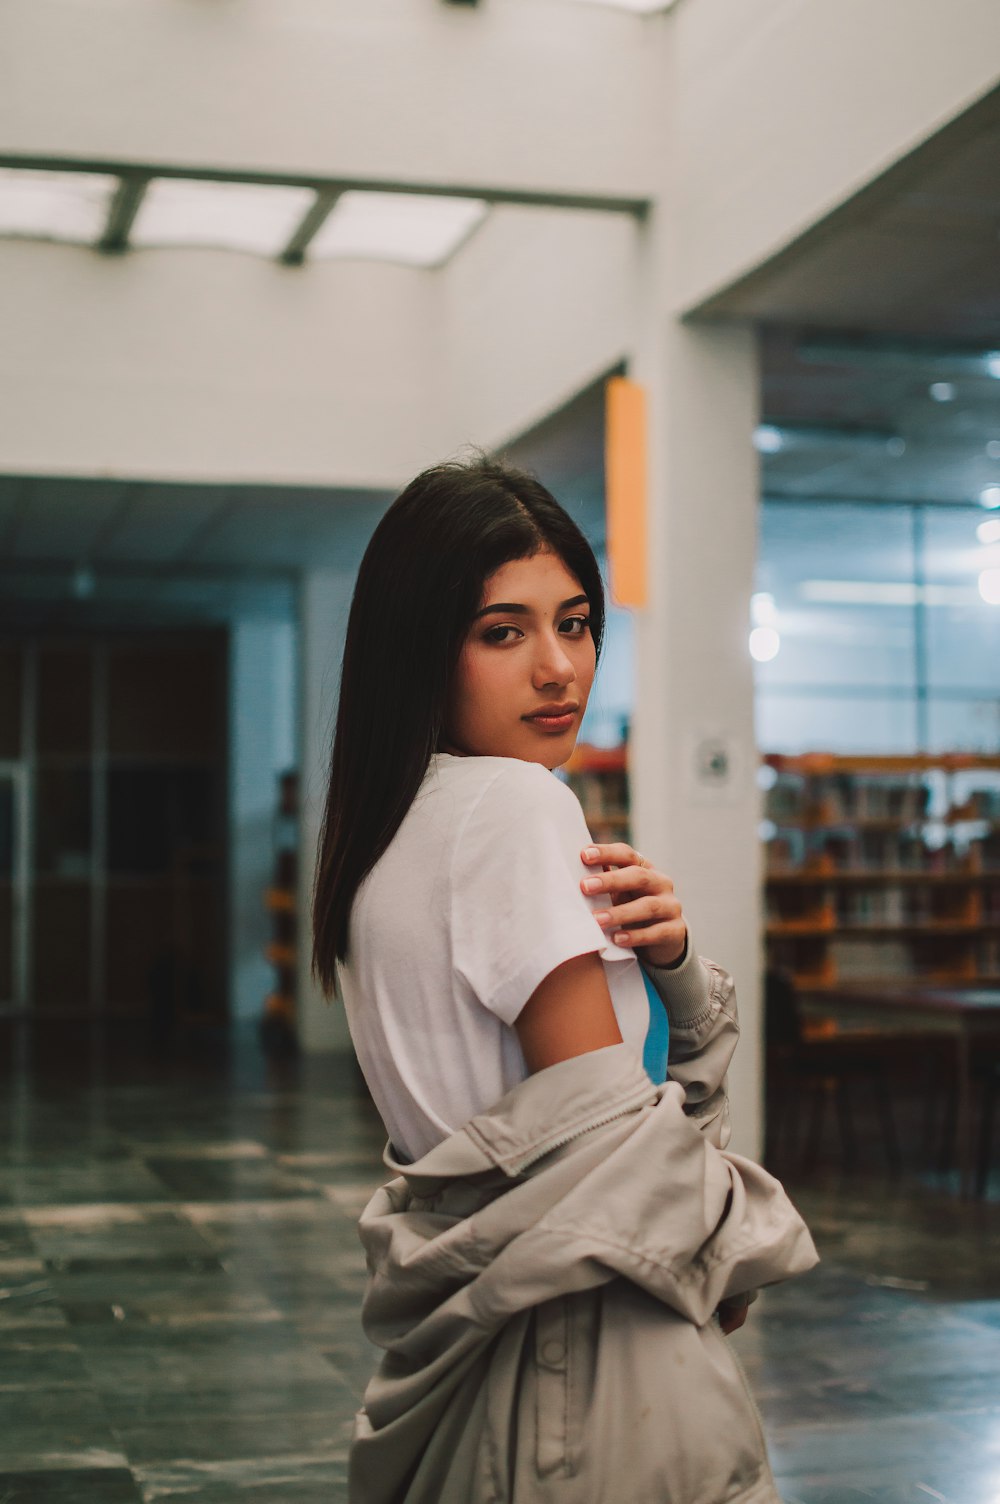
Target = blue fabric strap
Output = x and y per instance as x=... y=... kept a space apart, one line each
x=655 y=1050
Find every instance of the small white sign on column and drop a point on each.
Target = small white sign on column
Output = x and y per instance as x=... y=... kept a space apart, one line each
x=714 y=763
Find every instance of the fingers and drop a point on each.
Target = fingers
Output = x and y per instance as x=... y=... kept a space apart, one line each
x=731 y=1319
x=629 y=873
x=619 y=854
x=643 y=911
x=628 y=880
x=667 y=940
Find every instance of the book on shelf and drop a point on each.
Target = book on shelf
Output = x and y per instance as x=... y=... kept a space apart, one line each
x=881 y=868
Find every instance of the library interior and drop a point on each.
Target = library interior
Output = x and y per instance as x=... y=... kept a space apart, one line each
x=727 y=283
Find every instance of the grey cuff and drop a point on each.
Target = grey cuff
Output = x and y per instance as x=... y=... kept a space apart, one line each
x=686 y=990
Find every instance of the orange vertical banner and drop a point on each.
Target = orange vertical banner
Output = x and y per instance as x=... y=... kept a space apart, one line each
x=625 y=489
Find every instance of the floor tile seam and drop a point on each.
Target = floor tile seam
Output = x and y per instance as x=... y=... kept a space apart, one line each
x=164 y=1472
x=927 y=1420
x=115 y=1213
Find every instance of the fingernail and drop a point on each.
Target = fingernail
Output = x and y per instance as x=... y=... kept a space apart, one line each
x=591 y=884
x=620 y=937
x=590 y=854
x=603 y=918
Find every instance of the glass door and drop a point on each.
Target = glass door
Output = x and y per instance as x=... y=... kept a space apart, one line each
x=13 y=888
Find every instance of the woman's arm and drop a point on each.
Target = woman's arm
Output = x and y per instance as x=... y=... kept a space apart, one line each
x=569 y=1013
x=645 y=913
x=700 y=999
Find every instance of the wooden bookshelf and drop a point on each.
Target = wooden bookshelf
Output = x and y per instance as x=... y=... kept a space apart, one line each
x=278 y=1025
x=599 y=778
x=883 y=869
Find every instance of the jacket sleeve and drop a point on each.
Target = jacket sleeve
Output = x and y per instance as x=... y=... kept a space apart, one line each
x=700 y=999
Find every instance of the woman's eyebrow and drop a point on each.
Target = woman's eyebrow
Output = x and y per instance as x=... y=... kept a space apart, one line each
x=512 y=606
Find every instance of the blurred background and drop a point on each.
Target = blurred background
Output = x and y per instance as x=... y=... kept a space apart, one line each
x=261 y=263
x=259 y=266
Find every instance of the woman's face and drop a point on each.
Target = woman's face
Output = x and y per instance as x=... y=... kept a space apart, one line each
x=529 y=649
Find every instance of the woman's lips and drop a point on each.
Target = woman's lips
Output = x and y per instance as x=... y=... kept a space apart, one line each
x=552 y=722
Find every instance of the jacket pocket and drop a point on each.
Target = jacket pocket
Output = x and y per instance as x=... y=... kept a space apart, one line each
x=552 y=1359
x=565 y=1352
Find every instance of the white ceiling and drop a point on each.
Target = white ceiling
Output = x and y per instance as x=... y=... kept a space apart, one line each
x=915 y=253
x=945 y=456
x=914 y=258
x=907 y=275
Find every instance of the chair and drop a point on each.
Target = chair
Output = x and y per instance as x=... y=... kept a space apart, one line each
x=939 y=1138
x=817 y=1070
x=990 y=1094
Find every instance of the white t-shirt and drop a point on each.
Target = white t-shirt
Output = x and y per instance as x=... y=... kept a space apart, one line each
x=475 y=901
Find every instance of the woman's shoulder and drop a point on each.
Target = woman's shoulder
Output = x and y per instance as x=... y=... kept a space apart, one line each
x=506 y=787
x=502 y=777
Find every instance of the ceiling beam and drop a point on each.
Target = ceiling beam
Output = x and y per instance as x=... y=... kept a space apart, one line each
x=144 y=171
x=312 y=221
x=121 y=216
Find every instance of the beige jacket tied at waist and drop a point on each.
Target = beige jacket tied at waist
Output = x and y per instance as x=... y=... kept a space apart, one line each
x=543 y=1284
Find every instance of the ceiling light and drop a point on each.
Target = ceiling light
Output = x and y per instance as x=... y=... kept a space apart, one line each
x=989 y=496
x=989 y=586
x=227 y=216
x=68 y=206
x=417 y=229
x=942 y=391
x=764 y=644
x=83 y=582
x=763 y=612
x=882 y=593
x=989 y=532
x=767 y=439
x=899 y=354
x=641 y=7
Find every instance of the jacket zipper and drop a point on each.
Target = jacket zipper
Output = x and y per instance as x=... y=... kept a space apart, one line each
x=565 y=1138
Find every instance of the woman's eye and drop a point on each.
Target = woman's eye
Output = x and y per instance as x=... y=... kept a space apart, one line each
x=495 y=634
x=578 y=623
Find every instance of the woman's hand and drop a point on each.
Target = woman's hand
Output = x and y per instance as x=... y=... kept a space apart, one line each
x=645 y=913
x=733 y=1313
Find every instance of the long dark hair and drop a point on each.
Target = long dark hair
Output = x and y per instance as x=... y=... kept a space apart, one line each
x=419 y=585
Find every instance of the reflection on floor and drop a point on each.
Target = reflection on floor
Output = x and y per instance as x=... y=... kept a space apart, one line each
x=179 y=1287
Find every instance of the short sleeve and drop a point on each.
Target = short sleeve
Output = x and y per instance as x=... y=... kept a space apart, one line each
x=517 y=907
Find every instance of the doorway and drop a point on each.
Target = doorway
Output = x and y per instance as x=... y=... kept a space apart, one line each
x=113 y=833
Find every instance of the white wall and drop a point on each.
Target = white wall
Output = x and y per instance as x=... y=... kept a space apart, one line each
x=262 y=694
x=211 y=365
x=215 y=366
x=538 y=94
x=324 y=604
x=779 y=111
x=538 y=305
x=694 y=674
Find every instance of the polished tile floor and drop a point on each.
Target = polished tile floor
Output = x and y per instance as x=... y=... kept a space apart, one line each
x=180 y=1278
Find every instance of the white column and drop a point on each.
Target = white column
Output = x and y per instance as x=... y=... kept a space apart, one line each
x=693 y=756
x=324 y=603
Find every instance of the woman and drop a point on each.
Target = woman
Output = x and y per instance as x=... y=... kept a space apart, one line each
x=491 y=959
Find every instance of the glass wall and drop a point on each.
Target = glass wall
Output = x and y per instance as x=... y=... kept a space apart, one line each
x=886 y=639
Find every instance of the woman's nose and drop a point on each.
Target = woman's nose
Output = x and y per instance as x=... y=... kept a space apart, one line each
x=553 y=665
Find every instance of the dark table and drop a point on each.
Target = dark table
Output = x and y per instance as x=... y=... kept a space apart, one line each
x=957 y=1013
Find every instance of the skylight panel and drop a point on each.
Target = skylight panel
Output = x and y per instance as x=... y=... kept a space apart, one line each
x=253 y=217
x=414 y=229
x=67 y=206
x=640 y=7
